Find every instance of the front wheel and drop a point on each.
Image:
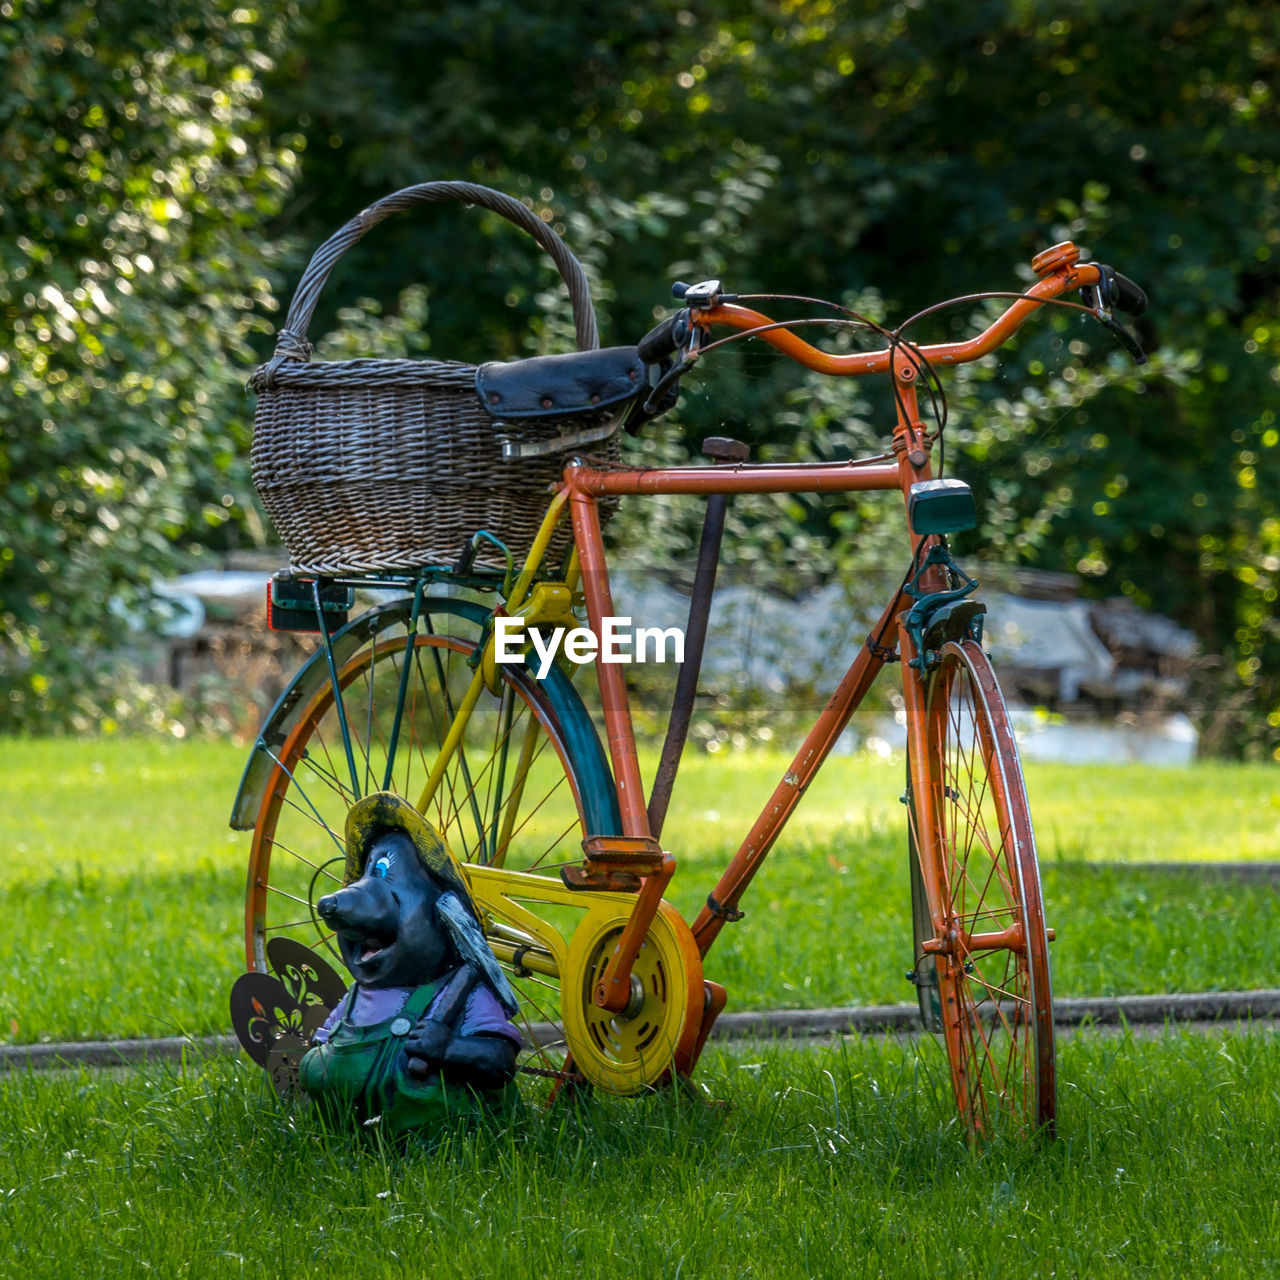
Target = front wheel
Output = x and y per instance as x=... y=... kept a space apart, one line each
x=982 y=934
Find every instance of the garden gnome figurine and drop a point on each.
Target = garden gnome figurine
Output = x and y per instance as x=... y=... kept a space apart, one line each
x=424 y=1032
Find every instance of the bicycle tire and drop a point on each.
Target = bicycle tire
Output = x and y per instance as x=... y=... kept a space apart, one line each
x=992 y=971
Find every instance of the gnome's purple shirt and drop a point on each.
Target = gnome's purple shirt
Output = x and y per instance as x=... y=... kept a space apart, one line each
x=367 y=1006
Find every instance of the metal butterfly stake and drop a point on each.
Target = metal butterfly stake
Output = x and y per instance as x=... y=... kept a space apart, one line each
x=276 y=1014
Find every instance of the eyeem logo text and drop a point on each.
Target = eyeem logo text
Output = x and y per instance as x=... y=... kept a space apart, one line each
x=615 y=643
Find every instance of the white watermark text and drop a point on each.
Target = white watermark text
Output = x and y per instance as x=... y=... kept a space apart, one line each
x=618 y=641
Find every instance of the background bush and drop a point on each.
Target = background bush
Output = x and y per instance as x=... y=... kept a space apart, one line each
x=888 y=154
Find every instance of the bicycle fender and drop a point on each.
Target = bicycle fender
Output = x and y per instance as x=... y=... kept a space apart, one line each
x=582 y=742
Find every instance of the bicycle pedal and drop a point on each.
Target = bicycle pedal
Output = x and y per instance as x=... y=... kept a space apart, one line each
x=641 y=854
x=608 y=879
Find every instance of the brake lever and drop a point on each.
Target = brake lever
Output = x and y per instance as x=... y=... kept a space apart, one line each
x=657 y=394
x=681 y=331
x=1126 y=337
x=1098 y=300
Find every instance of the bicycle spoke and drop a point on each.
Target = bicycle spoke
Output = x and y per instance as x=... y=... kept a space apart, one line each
x=975 y=1023
x=543 y=1052
x=343 y=789
x=293 y=897
x=469 y=797
x=314 y=814
x=323 y=938
x=326 y=775
x=537 y=863
x=450 y=716
x=321 y=868
x=996 y=989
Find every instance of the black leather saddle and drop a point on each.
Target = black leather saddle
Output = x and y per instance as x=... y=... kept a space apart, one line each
x=550 y=387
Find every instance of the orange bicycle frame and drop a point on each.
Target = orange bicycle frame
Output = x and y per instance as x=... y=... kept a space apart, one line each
x=1059 y=272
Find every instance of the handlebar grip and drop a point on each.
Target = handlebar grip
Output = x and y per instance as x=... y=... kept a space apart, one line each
x=661 y=341
x=1129 y=297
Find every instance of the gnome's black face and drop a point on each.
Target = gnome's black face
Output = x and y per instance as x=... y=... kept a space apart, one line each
x=386 y=921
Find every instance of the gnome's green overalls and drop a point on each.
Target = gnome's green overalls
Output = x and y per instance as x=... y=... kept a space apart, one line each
x=365 y=1070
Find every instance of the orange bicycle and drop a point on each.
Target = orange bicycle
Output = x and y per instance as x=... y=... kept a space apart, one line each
x=560 y=837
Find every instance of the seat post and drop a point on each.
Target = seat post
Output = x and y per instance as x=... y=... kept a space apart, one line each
x=722 y=451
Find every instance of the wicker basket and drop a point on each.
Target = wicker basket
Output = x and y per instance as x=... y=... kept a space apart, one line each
x=385 y=466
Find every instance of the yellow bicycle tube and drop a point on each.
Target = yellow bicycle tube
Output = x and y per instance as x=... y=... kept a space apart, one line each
x=476 y=687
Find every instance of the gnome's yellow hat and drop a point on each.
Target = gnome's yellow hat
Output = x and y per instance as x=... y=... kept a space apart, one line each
x=385 y=811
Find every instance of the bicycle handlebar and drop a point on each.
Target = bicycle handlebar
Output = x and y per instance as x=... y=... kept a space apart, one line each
x=857 y=364
x=1060 y=271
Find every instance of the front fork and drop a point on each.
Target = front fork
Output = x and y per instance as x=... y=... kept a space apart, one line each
x=923 y=770
x=943 y=611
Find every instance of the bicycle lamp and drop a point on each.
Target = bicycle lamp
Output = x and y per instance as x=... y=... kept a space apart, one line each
x=941 y=506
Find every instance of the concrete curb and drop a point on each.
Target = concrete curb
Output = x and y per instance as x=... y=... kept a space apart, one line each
x=113 y=1053
x=1213 y=1006
x=1200 y=1007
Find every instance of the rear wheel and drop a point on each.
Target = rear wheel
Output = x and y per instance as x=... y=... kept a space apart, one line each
x=518 y=793
x=982 y=938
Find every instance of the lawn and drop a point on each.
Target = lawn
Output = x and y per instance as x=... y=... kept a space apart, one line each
x=843 y=1160
x=122 y=887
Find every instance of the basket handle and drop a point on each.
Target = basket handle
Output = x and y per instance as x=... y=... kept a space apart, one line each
x=291 y=341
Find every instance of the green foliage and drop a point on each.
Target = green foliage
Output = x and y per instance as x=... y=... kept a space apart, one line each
x=820 y=146
x=922 y=150
x=827 y=1160
x=135 y=179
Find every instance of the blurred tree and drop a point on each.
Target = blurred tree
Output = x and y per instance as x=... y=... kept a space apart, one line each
x=925 y=148
x=809 y=146
x=135 y=179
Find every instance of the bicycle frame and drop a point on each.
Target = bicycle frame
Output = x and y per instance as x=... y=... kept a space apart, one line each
x=627 y=934
x=585 y=485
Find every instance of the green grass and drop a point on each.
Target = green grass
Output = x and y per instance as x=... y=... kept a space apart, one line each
x=1211 y=812
x=836 y=1161
x=122 y=892
x=122 y=887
